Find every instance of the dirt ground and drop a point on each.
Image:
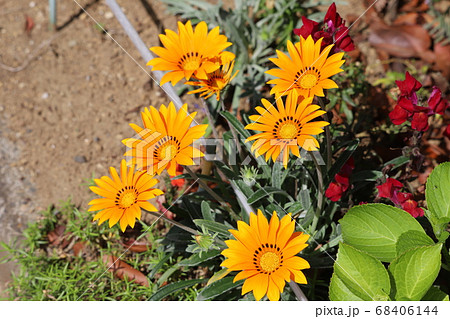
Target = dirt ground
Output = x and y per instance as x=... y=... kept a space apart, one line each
x=62 y=117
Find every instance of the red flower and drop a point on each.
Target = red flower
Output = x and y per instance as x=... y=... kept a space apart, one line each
x=334 y=192
x=408 y=87
x=332 y=19
x=410 y=206
x=436 y=102
x=309 y=27
x=343 y=40
x=420 y=122
x=398 y=115
x=332 y=30
x=337 y=188
x=388 y=189
x=180 y=181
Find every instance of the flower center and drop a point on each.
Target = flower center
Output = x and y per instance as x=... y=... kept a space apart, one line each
x=126 y=197
x=308 y=81
x=269 y=261
x=166 y=148
x=191 y=65
x=127 y=200
x=167 y=152
x=288 y=131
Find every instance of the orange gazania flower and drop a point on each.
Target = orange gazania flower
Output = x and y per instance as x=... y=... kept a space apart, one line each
x=124 y=196
x=165 y=140
x=190 y=53
x=215 y=82
x=265 y=254
x=285 y=128
x=307 y=70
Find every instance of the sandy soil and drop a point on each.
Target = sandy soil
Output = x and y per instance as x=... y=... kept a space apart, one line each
x=62 y=117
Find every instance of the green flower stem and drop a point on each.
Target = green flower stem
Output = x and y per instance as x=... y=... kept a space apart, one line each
x=327 y=134
x=320 y=195
x=186 y=228
x=297 y=291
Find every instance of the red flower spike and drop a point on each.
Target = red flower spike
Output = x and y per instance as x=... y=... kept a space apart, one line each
x=408 y=87
x=436 y=102
x=388 y=189
x=332 y=30
x=308 y=28
x=343 y=40
x=341 y=184
x=334 y=192
x=403 y=197
x=332 y=19
x=420 y=122
x=398 y=115
x=410 y=206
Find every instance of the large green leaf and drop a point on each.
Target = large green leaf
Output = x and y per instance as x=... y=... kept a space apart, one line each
x=437 y=195
x=362 y=275
x=376 y=228
x=174 y=287
x=414 y=272
x=340 y=292
x=412 y=239
x=218 y=287
x=435 y=294
x=438 y=190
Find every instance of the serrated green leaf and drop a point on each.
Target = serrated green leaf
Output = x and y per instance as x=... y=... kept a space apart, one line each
x=437 y=191
x=435 y=294
x=196 y=259
x=218 y=287
x=206 y=211
x=263 y=192
x=414 y=272
x=376 y=228
x=340 y=292
x=412 y=239
x=362 y=274
x=213 y=226
x=174 y=287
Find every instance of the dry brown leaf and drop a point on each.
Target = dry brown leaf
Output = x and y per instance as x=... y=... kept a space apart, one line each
x=136 y=246
x=402 y=41
x=124 y=271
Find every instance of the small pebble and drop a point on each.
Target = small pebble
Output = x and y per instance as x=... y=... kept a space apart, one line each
x=32 y=4
x=109 y=15
x=44 y=95
x=80 y=159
